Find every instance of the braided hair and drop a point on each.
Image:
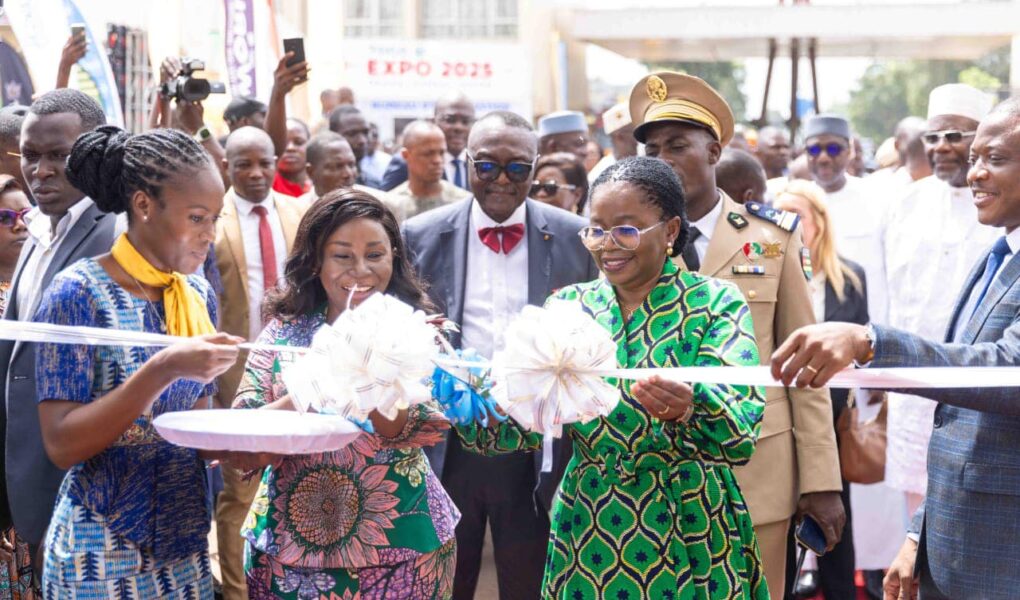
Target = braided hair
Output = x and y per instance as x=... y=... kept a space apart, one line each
x=661 y=185
x=109 y=165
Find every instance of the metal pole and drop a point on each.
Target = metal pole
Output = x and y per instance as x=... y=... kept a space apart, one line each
x=794 y=121
x=812 y=54
x=773 y=48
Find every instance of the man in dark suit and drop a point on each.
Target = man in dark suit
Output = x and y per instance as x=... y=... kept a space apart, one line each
x=64 y=227
x=962 y=541
x=486 y=258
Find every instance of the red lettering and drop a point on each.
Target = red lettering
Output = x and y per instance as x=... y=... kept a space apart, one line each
x=373 y=67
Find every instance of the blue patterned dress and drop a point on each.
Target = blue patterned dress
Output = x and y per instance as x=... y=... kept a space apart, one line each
x=132 y=521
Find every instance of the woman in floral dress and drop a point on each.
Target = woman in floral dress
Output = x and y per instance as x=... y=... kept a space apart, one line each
x=649 y=506
x=371 y=520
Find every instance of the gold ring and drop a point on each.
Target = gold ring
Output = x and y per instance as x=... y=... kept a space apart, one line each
x=662 y=412
x=812 y=369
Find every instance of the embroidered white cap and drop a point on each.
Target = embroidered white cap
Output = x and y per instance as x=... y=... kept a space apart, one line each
x=959 y=99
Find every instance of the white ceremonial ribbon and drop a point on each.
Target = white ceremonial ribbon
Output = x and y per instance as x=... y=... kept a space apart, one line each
x=870 y=378
x=48 y=333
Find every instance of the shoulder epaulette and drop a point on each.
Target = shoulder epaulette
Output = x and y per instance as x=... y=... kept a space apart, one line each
x=780 y=218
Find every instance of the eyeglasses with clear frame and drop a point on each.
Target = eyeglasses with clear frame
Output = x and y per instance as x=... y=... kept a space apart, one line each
x=626 y=237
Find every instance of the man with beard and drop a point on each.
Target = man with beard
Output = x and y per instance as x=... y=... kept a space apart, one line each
x=932 y=239
x=856 y=212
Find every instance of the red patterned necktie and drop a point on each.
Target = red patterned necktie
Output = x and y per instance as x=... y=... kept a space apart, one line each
x=507 y=237
x=269 y=274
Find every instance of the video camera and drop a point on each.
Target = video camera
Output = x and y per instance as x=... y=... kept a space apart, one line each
x=185 y=87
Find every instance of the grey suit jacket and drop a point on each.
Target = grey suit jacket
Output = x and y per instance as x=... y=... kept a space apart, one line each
x=32 y=480
x=437 y=241
x=971 y=518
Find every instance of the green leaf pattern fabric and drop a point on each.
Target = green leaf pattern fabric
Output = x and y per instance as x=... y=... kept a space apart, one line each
x=649 y=509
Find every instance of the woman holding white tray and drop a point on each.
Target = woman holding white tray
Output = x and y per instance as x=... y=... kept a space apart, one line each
x=370 y=520
x=131 y=516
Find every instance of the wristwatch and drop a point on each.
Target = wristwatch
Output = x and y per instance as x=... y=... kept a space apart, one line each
x=203 y=134
x=869 y=334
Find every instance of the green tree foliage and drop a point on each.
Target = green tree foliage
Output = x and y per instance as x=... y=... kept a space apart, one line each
x=726 y=77
x=891 y=90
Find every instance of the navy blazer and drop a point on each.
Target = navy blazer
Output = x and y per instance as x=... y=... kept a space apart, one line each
x=437 y=242
x=971 y=518
x=32 y=479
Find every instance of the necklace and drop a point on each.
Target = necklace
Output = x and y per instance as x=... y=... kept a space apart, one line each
x=628 y=311
x=152 y=306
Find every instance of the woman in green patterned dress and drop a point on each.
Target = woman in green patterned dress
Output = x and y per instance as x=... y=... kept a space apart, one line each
x=649 y=506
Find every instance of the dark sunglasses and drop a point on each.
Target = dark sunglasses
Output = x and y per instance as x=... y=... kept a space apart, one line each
x=832 y=149
x=549 y=188
x=488 y=170
x=952 y=136
x=9 y=218
x=626 y=237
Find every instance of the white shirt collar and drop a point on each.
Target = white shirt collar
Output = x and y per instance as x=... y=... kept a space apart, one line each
x=244 y=207
x=1013 y=240
x=462 y=156
x=706 y=224
x=480 y=220
x=40 y=226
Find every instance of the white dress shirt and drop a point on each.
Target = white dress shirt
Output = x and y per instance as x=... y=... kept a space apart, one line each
x=932 y=241
x=706 y=225
x=253 y=254
x=451 y=175
x=44 y=241
x=497 y=284
x=375 y=164
x=857 y=218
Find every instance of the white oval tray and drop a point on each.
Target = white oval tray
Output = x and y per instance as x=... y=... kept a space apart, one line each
x=274 y=431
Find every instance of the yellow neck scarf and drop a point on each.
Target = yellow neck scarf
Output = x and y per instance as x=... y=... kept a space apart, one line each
x=186 y=312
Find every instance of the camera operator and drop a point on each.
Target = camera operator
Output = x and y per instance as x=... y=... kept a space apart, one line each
x=186 y=116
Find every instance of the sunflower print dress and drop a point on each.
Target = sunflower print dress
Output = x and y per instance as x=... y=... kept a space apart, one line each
x=650 y=509
x=369 y=521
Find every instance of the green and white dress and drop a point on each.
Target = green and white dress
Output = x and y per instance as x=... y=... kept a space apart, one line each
x=649 y=509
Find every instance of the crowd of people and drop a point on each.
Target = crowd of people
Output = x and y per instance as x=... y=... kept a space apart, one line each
x=693 y=240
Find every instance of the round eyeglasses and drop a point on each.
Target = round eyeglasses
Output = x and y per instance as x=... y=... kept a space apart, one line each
x=626 y=237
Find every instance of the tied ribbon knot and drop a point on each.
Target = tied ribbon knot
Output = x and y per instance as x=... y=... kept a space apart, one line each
x=502 y=238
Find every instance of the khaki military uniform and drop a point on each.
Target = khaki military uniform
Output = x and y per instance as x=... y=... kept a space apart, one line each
x=796 y=452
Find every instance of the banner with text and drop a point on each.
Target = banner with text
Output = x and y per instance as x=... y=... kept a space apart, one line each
x=396 y=81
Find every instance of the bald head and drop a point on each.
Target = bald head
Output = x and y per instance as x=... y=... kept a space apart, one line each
x=250 y=163
x=740 y=175
x=417 y=131
x=247 y=137
x=424 y=150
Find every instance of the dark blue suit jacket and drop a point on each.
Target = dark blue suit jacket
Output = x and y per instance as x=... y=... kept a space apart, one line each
x=437 y=242
x=970 y=522
x=32 y=480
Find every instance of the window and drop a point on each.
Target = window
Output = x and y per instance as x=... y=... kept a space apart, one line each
x=373 y=18
x=469 y=18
